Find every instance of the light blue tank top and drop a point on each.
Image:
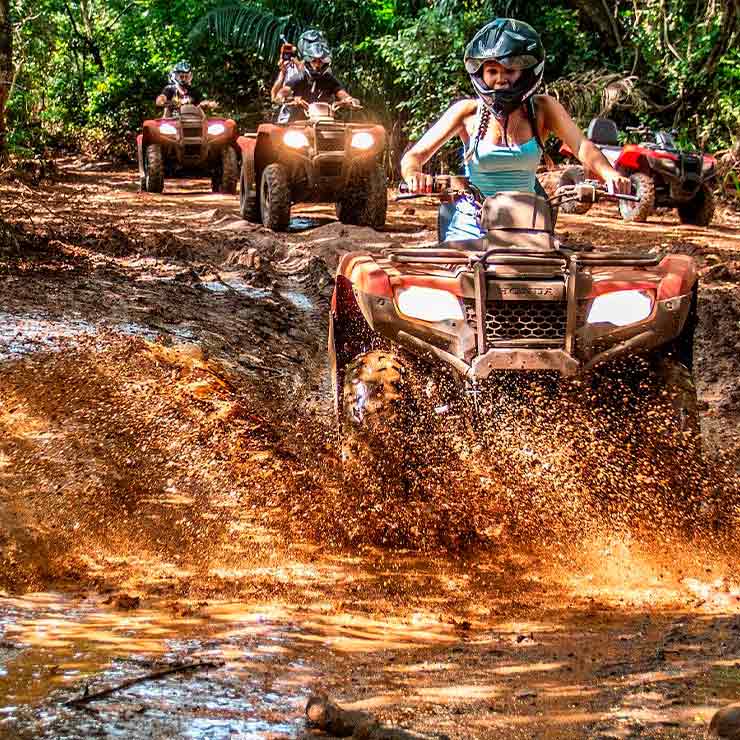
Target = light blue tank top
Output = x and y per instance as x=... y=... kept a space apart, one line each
x=493 y=169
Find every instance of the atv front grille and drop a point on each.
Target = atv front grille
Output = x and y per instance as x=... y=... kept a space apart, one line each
x=330 y=169
x=522 y=320
x=328 y=140
x=192 y=132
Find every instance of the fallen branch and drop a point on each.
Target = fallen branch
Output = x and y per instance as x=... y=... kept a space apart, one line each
x=325 y=715
x=86 y=698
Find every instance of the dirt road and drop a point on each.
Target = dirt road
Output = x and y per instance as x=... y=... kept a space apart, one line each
x=170 y=491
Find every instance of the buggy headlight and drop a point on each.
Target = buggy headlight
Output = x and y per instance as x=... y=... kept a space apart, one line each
x=295 y=139
x=362 y=140
x=621 y=307
x=216 y=129
x=428 y=304
x=168 y=129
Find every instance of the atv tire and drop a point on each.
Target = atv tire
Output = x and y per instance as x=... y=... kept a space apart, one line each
x=377 y=415
x=229 y=171
x=153 y=169
x=365 y=199
x=275 y=197
x=249 y=202
x=699 y=211
x=572 y=176
x=644 y=188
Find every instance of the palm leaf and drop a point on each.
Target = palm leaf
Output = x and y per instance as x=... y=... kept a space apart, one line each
x=248 y=27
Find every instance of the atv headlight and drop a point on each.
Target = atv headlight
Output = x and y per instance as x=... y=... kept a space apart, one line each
x=216 y=129
x=621 y=307
x=362 y=140
x=295 y=139
x=168 y=129
x=428 y=304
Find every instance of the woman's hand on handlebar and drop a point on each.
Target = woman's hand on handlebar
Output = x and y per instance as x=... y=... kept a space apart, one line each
x=418 y=182
x=618 y=184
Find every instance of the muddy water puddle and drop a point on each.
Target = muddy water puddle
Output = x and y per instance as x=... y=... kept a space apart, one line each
x=54 y=648
x=296 y=297
x=22 y=333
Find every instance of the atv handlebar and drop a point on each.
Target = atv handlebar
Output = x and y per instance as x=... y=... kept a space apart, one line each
x=450 y=187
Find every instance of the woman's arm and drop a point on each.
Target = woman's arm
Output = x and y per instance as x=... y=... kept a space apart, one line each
x=557 y=120
x=452 y=123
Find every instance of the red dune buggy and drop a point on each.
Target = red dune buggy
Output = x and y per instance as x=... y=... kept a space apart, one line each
x=317 y=159
x=662 y=175
x=408 y=322
x=188 y=143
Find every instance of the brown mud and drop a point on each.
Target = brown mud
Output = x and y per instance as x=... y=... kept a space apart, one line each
x=170 y=490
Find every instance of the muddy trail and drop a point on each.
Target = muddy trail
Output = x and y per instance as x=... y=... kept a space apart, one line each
x=171 y=495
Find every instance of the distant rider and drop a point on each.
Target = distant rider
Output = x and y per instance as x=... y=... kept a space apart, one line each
x=315 y=83
x=180 y=90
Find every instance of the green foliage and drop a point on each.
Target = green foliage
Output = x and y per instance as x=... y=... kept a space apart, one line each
x=92 y=68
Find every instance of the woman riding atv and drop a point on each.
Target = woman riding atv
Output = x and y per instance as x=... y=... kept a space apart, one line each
x=503 y=130
x=316 y=83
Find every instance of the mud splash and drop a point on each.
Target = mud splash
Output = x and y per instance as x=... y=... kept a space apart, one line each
x=189 y=501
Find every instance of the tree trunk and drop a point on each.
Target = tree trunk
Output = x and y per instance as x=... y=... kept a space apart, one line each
x=6 y=70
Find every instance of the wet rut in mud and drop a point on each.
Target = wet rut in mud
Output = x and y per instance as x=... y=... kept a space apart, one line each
x=171 y=492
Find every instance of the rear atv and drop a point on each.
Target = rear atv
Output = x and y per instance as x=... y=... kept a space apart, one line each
x=318 y=159
x=415 y=331
x=662 y=175
x=188 y=144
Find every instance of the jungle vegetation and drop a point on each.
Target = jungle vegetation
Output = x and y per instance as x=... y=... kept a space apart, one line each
x=85 y=72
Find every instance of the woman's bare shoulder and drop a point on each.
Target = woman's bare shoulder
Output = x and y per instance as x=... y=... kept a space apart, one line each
x=461 y=109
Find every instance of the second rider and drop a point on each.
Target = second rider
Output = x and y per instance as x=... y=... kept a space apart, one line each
x=310 y=80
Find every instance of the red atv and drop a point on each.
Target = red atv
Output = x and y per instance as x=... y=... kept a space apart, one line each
x=187 y=143
x=416 y=331
x=662 y=175
x=316 y=159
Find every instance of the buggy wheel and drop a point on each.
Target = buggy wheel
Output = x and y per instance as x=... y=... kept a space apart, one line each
x=365 y=199
x=699 y=211
x=249 y=203
x=275 y=197
x=153 y=169
x=639 y=210
x=572 y=176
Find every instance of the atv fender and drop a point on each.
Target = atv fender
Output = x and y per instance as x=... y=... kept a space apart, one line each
x=349 y=330
x=632 y=159
x=151 y=134
x=140 y=153
x=679 y=276
x=245 y=148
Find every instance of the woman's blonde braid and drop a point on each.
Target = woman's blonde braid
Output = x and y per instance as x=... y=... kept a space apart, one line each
x=484 y=119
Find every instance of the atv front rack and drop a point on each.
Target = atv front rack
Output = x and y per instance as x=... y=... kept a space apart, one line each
x=559 y=257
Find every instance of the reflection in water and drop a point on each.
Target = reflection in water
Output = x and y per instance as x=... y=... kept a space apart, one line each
x=300 y=300
x=22 y=334
x=52 y=647
x=302 y=223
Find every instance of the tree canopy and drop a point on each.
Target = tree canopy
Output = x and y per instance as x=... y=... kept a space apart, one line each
x=88 y=70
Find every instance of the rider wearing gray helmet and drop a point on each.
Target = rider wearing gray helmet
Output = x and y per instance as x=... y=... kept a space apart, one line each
x=503 y=128
x=316 y=83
